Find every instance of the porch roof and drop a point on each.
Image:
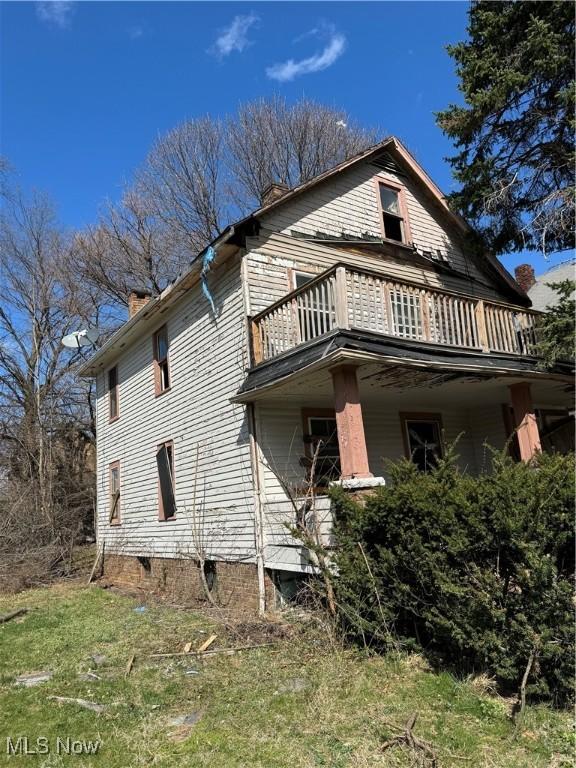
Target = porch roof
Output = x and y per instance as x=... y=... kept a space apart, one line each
x=361 y=347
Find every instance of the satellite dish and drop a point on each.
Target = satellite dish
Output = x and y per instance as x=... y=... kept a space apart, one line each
x=78 y=339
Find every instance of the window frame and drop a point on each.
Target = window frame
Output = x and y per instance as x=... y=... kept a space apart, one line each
x=317 y=413
x=294 y=272
x=113 y=395
x=158 y=362
x=426 y=417
x=161 y=511
x=117 y=519
x=403 y=215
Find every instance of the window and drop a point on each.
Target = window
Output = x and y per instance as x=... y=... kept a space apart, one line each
x=165 y=464
x=161 y=367
x=113 y=411
x=322 y=451
x=393 y=213
x=301 y=278
x=422 y=433
x=114 y=494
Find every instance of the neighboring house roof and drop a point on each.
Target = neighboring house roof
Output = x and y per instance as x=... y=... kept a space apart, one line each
x=541 y=294
x=118 y=341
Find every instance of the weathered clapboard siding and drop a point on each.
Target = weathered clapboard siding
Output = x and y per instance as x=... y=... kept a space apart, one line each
x=211 y=442
x=280 y=435
x=487 y=424
x=347 y=203
x=271 y=255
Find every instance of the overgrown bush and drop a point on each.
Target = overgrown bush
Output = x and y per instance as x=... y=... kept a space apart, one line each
x=475 y=571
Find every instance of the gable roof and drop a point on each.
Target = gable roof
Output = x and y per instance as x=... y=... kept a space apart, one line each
x=393 y=146
x=390 y=145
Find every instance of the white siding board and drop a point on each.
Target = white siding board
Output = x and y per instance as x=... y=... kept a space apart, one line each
x=207 y=362
x=271 y=255
x=347 y=203
x=281 y=442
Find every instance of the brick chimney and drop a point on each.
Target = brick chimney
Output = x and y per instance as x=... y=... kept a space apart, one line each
x=137 y=300
x=524 y=274
x=273 y=192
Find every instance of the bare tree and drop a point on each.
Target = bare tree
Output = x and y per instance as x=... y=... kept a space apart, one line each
x=130 y=247
x=45 y=424
x=200 y=176
x=270 y=140
x=182 y=180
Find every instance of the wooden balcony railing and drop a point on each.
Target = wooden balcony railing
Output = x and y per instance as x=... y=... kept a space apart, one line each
x=346 y=297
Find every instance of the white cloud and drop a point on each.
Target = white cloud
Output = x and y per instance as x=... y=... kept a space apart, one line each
x=58 y=13
x=334 y=48
x=234 y=37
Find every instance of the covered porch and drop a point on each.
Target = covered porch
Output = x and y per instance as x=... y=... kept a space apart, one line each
x=342 y=416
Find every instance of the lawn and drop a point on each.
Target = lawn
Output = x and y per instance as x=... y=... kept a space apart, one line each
x=302 y=702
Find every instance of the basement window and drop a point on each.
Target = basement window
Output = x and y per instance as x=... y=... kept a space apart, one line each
x=166 y=485
x=392 y=211
x=161 y=366
x=422 y=433
x=113 y=410
x=114 y=493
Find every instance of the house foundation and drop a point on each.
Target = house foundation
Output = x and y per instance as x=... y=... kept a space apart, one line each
x=233 y=585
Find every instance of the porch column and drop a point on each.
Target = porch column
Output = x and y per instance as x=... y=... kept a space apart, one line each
x=351 y=439
x=525 y=421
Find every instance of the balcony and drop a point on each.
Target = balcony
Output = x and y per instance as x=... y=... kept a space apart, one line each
x=348 y=298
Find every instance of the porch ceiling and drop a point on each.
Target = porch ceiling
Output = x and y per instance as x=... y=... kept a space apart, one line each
x=401 y=372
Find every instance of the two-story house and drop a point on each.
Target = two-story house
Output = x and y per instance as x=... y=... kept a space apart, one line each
x=351 y=323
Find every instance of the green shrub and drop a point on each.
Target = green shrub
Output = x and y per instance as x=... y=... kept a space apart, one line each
x=475 y=571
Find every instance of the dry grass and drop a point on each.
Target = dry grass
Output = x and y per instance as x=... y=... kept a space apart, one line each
x=303 y=703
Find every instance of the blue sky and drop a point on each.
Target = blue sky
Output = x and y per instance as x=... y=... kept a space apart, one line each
x=87 y=87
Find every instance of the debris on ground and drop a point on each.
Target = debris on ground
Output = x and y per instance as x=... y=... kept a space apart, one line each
x=13 y=615
x=89 y=677
x=33 y=678
x=190 y=719
x=98 y=659
x=206 y=644
x=84 y=703
x=294 y=685
x=129 y=665
x=422 y=751
x=183 y=725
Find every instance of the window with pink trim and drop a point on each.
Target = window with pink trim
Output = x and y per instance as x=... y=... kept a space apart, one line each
x=393 y=213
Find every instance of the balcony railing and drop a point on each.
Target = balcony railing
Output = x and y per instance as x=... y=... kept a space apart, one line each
x=346 y=297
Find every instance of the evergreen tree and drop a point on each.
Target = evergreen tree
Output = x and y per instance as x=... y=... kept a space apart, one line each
x=515 y=133
x=556 y=332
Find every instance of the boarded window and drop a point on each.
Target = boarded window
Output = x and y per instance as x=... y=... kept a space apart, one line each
x=114 y=502
x=423 y=439
x=392 y=213
x=161 y=366
x=113 y=393
x=165 y=464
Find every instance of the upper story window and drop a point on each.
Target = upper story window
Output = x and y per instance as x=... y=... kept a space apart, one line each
x=113 y=400
x=301 y=278
x=161 y=366
x=393 y=213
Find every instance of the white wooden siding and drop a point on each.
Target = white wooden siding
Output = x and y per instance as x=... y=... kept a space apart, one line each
x=207 y=360
x=271 y=255
x=347 y=204
x=279 y=425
